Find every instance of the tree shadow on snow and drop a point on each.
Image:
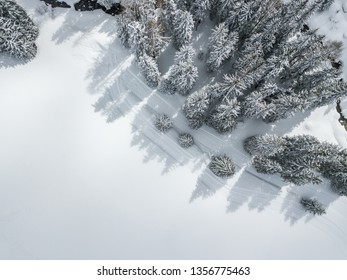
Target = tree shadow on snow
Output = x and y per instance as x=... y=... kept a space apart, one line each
x=82 y=23
x=255 y=190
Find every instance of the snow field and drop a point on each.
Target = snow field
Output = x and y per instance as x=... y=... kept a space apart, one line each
x=77 y=185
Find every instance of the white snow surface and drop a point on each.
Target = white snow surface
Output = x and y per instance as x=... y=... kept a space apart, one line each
x=99 y=182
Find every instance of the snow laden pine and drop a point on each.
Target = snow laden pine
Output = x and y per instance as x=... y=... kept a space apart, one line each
x=275 y=65
x=163 y=123
x=150 y=70
x=182 y=75
x=313 y=206
x=17 y=31
x=222 y=166
x=299 y=159
x=185 y=140
x=221 y=46
x=182 y=30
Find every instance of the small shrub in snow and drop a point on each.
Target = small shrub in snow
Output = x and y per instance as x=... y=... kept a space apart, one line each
x=163 y=123
x=185 y=140
x=222 y=166
x=313 y=206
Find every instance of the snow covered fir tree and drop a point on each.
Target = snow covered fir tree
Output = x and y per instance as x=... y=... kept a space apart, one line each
x=17 y=31
x=299 y=159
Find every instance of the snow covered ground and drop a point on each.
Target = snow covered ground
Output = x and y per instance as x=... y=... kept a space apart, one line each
x=99 y=182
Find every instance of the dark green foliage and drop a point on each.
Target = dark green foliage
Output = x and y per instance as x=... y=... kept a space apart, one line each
x=17 y=31
x=222 y=166
x=313 y=206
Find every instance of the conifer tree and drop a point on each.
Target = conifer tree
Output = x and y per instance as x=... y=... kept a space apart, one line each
x=149 y=69
x=224 y=117
x=195 y=108
x=313 y=206
x=199 y=9
x=17 y=31
x=183 y=25
x=325 y=5
x=221 y=46
x=170 y=14
x=266 y=165
x=265 y=145
x=182 y=75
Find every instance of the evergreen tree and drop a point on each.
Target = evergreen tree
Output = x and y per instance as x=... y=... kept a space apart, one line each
x=225 y=115
x=222 y=166
x=300 y=159
x=221 y=46
x=325 y=4
x=195 y=108
x=199 y=9
x=182 y=75
x=182 y=31
x=313 y=206
x=266 y=165
x=265 y=145
x=170 y=14
x=185 y=140
x=149 y=69
x=107 y=3
x=163 y=123
x=17 y=31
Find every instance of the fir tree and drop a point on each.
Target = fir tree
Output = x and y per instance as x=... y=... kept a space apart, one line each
x=170 y=14
x=265 y=145
x=224 y=117
x=182 y=31
x=313 y=206
x=195 y=108
x=182 y=75
x=149 y=69
x=199 y=9
x=221 y=46
x=185 y=140
x=266 y=165
x=17 y=31
x=222 y=166
x=325 y=5
x=163 y=123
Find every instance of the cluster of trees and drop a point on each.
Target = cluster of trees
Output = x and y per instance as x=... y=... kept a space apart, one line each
x=17 y=31
x=141 y=29
x=299 y=159
x=273 y=64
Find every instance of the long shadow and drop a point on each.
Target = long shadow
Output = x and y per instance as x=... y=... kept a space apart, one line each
x=254 y=190
x=82 y=23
